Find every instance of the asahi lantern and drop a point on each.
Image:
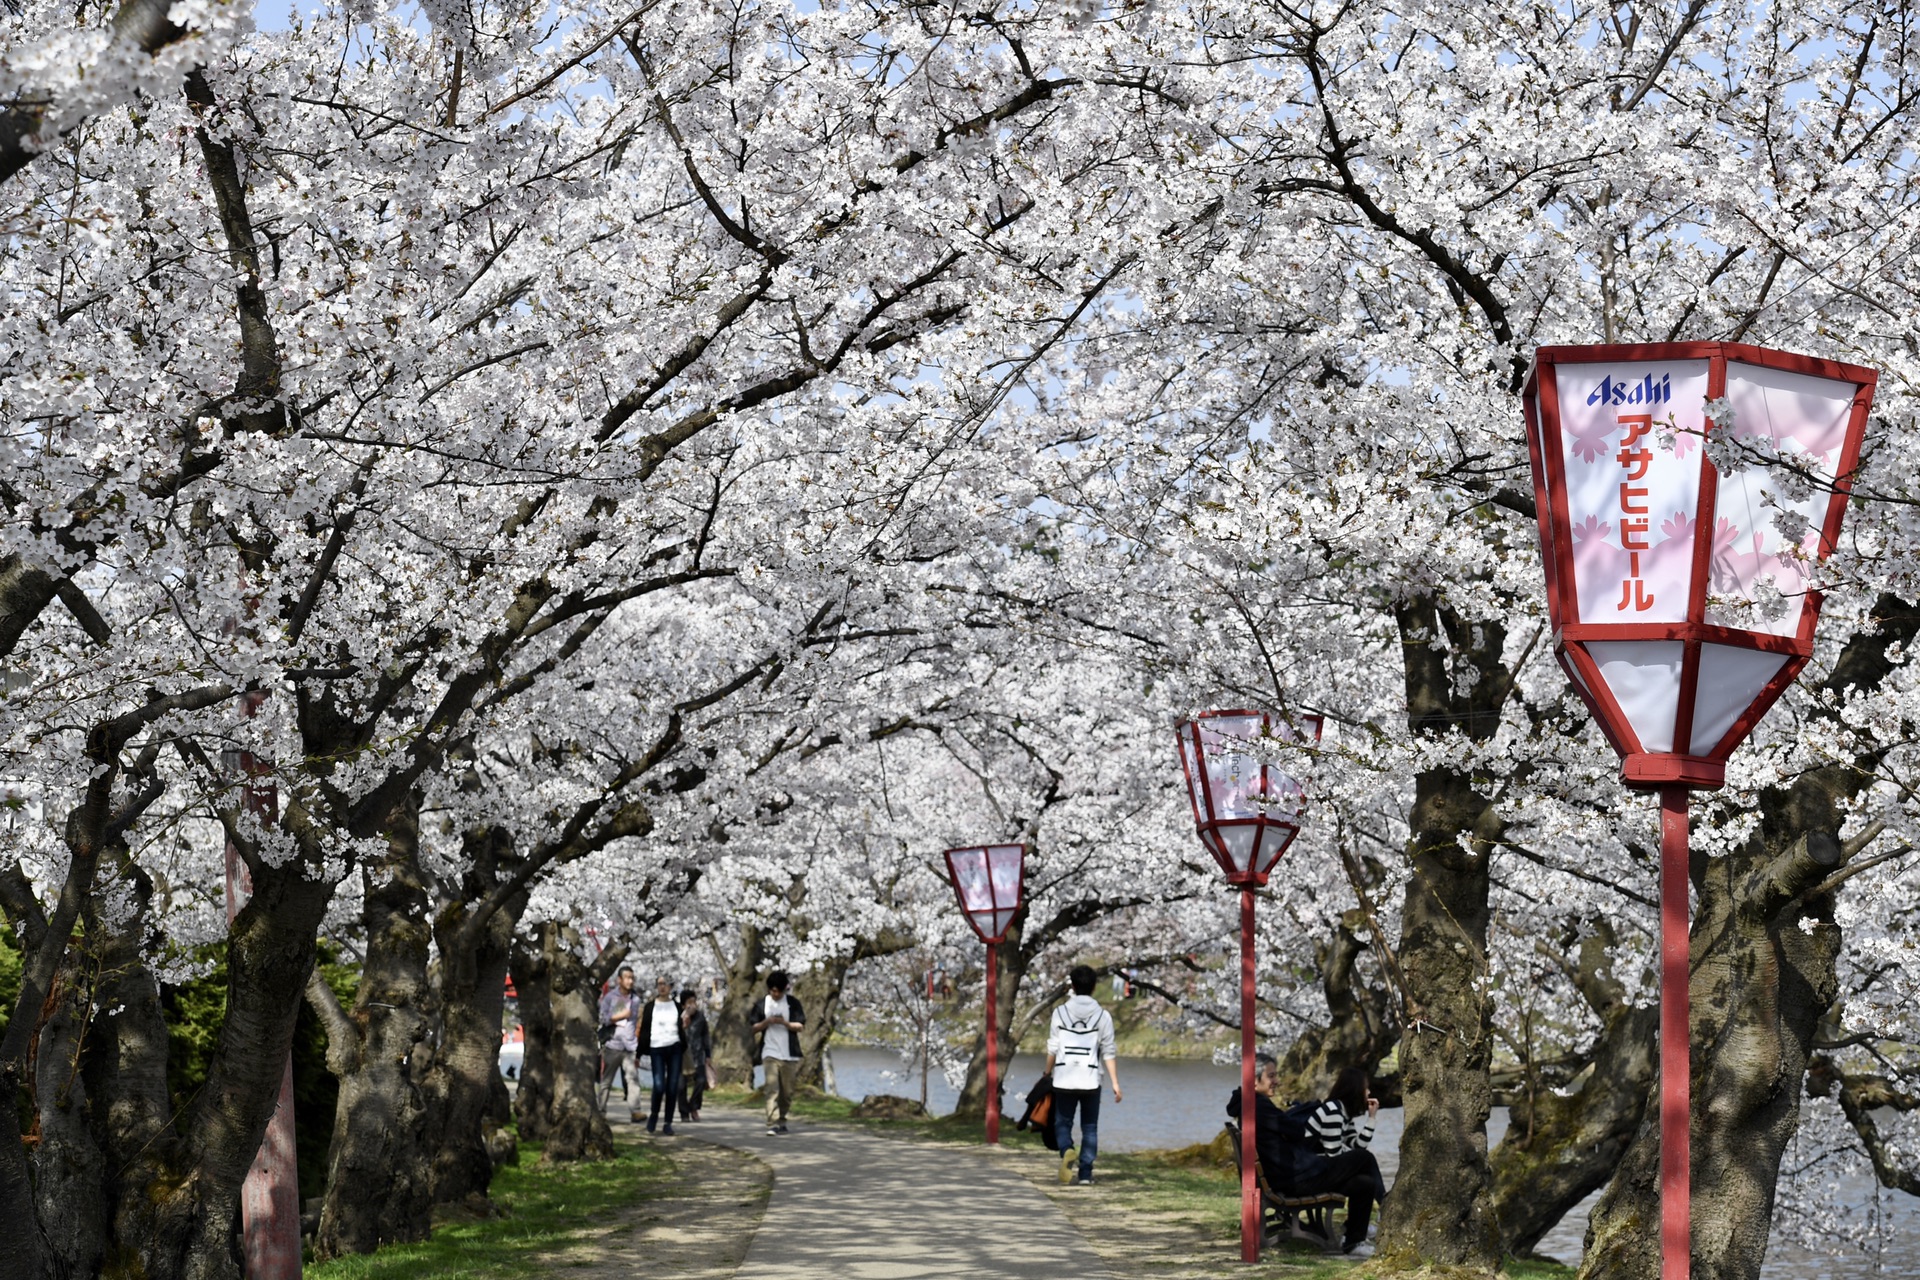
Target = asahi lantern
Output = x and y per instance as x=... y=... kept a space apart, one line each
x=1680 y=592
x=1679 y=596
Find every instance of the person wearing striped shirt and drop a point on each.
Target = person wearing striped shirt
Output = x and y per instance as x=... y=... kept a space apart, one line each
x=1344 y=1122
x=1343 y=1126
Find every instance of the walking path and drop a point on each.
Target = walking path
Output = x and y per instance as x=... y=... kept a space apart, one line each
x=849 y=1205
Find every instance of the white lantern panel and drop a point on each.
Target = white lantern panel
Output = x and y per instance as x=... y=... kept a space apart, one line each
x=1644 y=678
x=1192 y=763
x=994 y=923
x=970 y=876
x=1273 y=843
x=1233 y=770
x=1003 y=864
x=1759 y=570
x=1233 y=843
x=1730 y=679
x=1630 y=437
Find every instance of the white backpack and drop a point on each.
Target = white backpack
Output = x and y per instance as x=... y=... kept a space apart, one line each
x=1077 y=1063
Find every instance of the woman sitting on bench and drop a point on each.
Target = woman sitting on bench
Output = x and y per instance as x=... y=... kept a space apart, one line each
x=1343 y=1126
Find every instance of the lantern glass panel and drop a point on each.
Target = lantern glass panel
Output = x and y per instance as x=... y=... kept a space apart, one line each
x=1758 y=576
x=1233 y=771
x=970 y=878
x=1730 y=680
x=1274 y=840
x=1630 y=437
x=1644 y=678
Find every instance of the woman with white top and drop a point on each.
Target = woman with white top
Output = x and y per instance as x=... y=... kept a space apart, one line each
x=663 y=1040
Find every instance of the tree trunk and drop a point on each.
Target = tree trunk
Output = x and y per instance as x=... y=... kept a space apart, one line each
x=378 y=1185
x=737 y=1010
x=1439 y=1211
x=474 y=944
x=1563 y=1145
x=1360 y=1030
x=819 y=992
x=533 y=1098
x=69 y=1169
x=184 y=1229
x=576 y=1128
x=1764 y=950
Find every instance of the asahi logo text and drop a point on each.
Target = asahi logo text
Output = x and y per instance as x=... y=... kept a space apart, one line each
x=1645 y=391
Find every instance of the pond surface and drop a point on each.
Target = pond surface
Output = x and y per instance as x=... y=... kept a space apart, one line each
x=1172 y=1103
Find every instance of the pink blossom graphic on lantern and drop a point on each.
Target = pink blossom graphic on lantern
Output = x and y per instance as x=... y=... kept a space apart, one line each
x=1592 y=440
x=1669 y=566
x=1596 y=558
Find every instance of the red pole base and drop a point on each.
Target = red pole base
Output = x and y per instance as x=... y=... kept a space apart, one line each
x=1249 y=1105
x=1676 y=1085
x=993 y=1047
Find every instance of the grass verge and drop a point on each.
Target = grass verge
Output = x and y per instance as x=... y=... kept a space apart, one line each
x=542 y=1210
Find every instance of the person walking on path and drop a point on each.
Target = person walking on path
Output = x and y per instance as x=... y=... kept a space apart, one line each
x=619 y=1012
x=1079 y=1040
x=699 y=1050
x=661 y=1040
x=779 y=1027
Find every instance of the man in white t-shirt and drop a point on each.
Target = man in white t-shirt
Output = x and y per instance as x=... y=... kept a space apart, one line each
x=780 y=1022
x=1079 y=1041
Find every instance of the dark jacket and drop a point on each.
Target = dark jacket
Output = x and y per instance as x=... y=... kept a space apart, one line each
x=793 y=1037
x=699 y=1038
x=645 y=1034
x=1288 y=1160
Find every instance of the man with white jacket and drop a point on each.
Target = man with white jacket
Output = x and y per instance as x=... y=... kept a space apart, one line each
x=1079 y=1039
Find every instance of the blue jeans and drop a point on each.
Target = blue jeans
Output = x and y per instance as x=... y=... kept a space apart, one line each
x=1087 y=1103
x=666 y=1080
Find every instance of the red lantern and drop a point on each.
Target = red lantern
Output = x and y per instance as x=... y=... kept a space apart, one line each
x=1247 y=809
x=988 y=880
x=1680 y=594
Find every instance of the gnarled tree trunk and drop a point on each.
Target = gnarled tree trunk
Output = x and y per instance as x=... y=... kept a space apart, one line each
x=475 y=933
x=378 y=1186
x=1360 y=1031
x=1563 y=1145
x=1439 y=1210
x=576 y=1130
x=738 y=1009
x=533 y=1096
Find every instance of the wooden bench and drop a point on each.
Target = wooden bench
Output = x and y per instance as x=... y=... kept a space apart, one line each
x=1282 y=1216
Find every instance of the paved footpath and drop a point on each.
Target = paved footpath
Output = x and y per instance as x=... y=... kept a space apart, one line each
x=848 y=1205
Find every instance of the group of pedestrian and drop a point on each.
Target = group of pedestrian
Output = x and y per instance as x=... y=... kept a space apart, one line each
x=671 y=1033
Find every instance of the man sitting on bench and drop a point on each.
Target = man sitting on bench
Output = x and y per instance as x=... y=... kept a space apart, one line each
x=1293 y=1157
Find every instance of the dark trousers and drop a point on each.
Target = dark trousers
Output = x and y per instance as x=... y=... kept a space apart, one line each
x=1353 y=1174
x=666 y=1080
x=694 y=1090
x=1087 y=1102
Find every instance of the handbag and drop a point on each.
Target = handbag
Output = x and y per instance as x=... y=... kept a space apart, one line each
x=606 y=1032
x=712 y=1077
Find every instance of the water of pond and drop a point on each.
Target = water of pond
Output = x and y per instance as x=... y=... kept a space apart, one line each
x=1175 y=1103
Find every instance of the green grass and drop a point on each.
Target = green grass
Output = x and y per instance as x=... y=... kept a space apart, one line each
x=544 y=1208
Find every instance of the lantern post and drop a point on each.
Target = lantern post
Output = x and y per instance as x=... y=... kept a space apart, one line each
x=988 y=880
x=1680 y=600
x=1247 y=810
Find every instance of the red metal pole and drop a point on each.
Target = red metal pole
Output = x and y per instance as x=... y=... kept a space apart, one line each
x=1249 y=1106
x=993 y=1048
x=1676 y=1191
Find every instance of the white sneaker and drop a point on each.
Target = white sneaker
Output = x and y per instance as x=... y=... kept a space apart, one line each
x=1362 y=1250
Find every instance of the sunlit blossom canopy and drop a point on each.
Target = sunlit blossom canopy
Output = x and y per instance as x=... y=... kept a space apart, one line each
x=1247 y=806
x=988 y=879
x=1677 y=642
